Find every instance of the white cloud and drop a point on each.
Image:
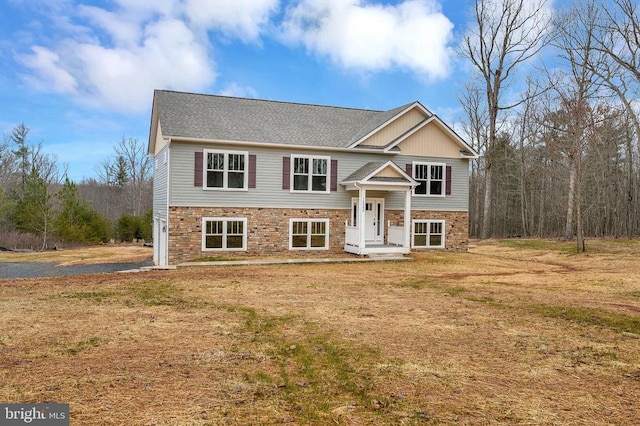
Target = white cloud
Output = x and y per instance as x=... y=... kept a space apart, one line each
x=168 y=57
x=412 y=35
x=121 y=29
x=146 y=8
x=121 y=57
x=244 y=19
x=234 y=89
x=51 y=75
x=113 y=57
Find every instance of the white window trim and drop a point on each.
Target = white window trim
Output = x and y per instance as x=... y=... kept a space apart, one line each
x=444 y=178
x=326 y=238
x=311 y=158
x=428 y=222
x=224 y=233
x=225 y=185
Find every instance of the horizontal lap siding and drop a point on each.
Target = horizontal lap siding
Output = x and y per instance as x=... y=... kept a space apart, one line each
x=160 y=184
x=459 y=198
x=269 y=192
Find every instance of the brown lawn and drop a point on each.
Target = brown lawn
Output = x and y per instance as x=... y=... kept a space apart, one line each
x=113 y=253
x=513 y=332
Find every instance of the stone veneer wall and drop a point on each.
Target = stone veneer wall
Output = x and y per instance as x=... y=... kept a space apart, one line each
x=268 y=230
x=456 y=224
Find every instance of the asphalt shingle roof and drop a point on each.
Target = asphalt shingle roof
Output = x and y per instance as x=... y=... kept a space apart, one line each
x=364 y=171
x=200 y=116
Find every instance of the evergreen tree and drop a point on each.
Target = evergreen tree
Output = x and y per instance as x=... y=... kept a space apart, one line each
x=19 y=138
x=120 y=172
x=77 y=222
x=34 y=211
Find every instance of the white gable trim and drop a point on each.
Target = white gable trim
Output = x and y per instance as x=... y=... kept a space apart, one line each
x=393 y=166
x=366 y=180
x=392 y=119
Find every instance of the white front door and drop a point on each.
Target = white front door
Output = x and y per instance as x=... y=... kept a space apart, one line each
x=374 y=220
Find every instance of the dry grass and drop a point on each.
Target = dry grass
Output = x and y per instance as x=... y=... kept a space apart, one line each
x=113 y=253
x=513 y=332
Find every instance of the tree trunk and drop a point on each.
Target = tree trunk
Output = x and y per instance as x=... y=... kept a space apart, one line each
x=579 y=233
x=568 y=228
x=485 y=231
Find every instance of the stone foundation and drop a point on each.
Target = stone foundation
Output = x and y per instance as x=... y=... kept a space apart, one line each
x=456 y=224
x=268 y=230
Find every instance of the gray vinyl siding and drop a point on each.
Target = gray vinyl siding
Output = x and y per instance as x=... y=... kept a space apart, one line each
x=269 y=192
x=160 y=186
x=459 y=198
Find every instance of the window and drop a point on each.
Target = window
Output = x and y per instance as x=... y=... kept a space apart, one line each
x=224 y=234
x=308 y=234
x=226 y=170
x=428 y=233
x=430 y=177
x=310 y=174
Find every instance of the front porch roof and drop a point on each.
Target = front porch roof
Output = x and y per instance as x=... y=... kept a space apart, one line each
x=379 y=173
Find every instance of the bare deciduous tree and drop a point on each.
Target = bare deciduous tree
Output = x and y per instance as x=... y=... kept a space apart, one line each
x=129 y=171
x=475 y=128
x=505 y=34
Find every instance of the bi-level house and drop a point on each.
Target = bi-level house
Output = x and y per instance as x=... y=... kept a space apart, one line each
x=247 y=176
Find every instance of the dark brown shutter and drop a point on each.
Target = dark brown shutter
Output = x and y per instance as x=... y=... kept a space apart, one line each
x=286 y=172
x=252 y=171
x=197 y=169
x=448 y=183
x=334 y=175
x=409 y=169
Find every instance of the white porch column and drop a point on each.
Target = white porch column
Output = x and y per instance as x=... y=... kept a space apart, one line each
x=362 y=198
x=407 y=218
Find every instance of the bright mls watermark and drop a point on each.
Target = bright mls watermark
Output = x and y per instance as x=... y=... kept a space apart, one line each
x=34 y=414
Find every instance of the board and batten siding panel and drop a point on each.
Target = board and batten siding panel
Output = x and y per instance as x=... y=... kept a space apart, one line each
x=160 y=141
x=160 y=177
x=395 y=129
x=430 y=141
x=269 y=192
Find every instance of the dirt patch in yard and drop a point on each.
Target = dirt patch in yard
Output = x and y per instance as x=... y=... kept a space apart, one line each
x=503 y=334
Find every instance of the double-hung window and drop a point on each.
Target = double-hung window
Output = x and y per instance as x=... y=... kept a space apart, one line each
x=310 y=174
x=431 y=179
x=428 y=233
x=228 y=234
x=226 y=170
x=308 y=234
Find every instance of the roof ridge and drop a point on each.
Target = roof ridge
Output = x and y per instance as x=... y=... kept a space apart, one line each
x=267 y=100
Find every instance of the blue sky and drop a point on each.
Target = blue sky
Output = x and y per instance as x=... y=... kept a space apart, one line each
x=81 y=74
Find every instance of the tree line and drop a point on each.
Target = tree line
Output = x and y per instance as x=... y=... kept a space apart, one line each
x=40 y=207
x=552 y=108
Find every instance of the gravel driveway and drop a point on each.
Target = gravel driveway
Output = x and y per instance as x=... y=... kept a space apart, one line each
x=40 y=270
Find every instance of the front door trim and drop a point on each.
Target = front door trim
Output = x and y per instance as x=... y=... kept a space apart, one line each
x=374 y=221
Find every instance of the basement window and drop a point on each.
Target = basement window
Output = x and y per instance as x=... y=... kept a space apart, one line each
x=308 y=234
x=428 y=234
x=224 y=234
